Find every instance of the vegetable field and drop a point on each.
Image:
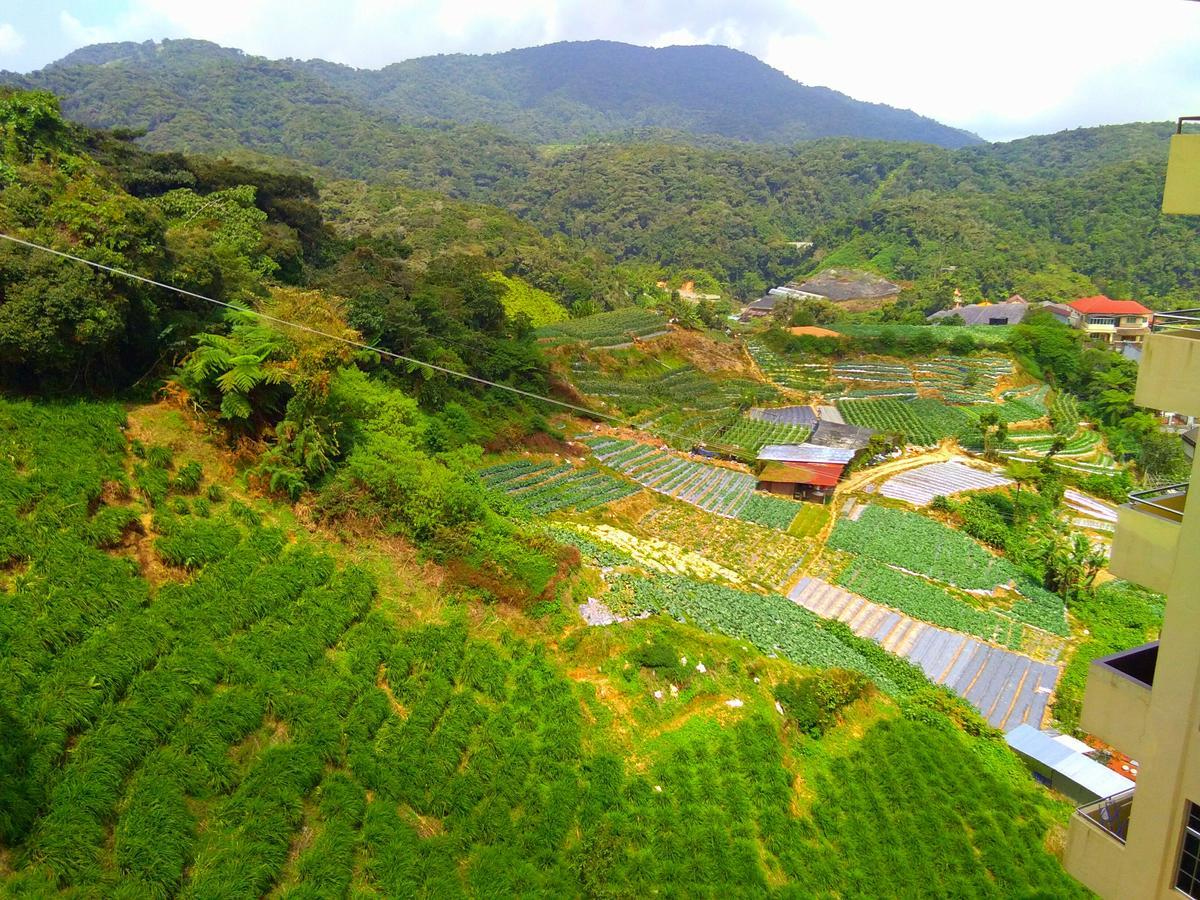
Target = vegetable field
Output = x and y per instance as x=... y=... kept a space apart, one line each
x=543 y=488
x=752 y=434
x=726 y=492
x=772 y=623
x=927 y=547
x=761 y=555
x=922 y=422
x=607 y=329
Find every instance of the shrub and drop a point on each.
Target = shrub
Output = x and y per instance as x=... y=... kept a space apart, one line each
x=812 y=703
x=188 y=478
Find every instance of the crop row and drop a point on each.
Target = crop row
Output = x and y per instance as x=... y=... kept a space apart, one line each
x=715 y=489
x=543 y=489
x=927 y=547
x=606 y=329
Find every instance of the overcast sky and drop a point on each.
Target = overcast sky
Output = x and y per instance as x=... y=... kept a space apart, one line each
x=1003 y=70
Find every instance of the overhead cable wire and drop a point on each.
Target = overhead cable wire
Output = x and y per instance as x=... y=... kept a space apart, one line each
x=382 y=351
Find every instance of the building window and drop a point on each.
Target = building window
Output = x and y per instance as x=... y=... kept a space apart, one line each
x=1188 y=880
x=1102 y=320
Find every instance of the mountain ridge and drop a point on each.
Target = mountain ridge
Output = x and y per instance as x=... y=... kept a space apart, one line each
x=564 y=91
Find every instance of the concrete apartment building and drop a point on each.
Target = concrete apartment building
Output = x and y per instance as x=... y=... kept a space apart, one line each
x=1145 y=702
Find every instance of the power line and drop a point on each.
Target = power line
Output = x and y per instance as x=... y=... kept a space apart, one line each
x=344 y=340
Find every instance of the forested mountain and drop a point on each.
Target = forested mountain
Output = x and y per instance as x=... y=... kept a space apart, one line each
x=560 y=92
x=987 y=219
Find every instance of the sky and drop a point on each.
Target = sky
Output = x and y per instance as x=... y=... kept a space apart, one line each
x=1002 y=70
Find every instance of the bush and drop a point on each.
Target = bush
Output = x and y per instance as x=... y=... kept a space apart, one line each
x=812 y=704
x=655 y=655
x=188 y=478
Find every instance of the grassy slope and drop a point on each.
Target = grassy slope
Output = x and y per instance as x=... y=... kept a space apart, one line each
x=246 y=711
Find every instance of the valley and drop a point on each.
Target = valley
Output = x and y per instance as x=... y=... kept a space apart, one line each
x=405 y=489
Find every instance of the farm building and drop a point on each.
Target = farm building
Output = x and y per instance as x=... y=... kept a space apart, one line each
x=1060 y=765
x=760 y=308
x=1010 y=312
x=814 y=481
x=803 y=471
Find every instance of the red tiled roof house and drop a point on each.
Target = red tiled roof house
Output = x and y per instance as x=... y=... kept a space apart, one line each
x=1105 y=319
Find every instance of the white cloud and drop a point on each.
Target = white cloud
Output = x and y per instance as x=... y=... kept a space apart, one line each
x=11 y=40
x=81 y=34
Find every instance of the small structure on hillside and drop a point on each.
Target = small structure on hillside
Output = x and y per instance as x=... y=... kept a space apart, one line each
x=803 y=471
x=1060 y=765
x=759 y=309
x=1011 y=312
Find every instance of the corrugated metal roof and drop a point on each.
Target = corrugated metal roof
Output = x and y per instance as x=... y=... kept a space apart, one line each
x=1084 y=771
x=978 y=314
x=804 y=453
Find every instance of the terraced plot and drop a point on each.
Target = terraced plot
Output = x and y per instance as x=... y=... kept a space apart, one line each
x=763 y=556
x=1007 y=688
x=607 y=329
x=920 y=486
x=543 y=488
x=715 y=489
x=751 y=434
x=922 y=422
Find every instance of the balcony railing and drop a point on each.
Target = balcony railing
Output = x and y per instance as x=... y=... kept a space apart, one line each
x=1110 y=814
x=1166 y=502
x=1176 y=320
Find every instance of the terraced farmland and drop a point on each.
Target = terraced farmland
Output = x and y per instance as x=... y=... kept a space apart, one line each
x=1007 y=688
x=715 y=489
x=607 y=329
x=919 y=486
x=762 y=555
x=922 y=422
x=752 y=434
x=797 y=376
x=926 y=547
x=543 y=488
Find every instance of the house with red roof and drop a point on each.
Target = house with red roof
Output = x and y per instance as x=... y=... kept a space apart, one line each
x=1105 y=319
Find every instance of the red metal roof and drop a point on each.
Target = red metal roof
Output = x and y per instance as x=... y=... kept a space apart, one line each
x=1100 y=304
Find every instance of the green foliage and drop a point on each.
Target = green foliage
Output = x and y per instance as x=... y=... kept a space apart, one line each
x=919 y=544
x=521 y=298
x=265 y=697
x=1118 y=616
x=812 y=703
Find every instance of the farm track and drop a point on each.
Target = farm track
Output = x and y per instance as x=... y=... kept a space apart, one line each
x=1007 y=688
